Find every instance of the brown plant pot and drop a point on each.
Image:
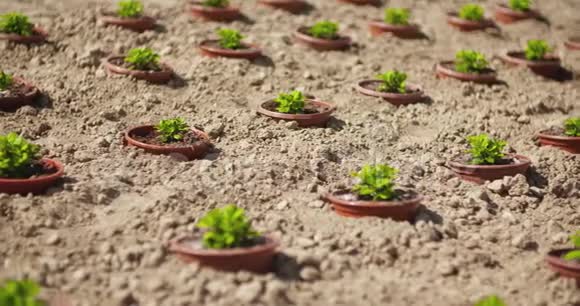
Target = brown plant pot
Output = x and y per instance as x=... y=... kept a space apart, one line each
x=573 y=43
x=506 y=15
x=548 y=66
x=378 y=28
x=258 y=259
x=346 y=204
x=27 y=98
x=38 y=36
x=188 y=152
x=304 y=120
x=35 y=185
x=212 y=48
x=319 y=44
x=138 y=24
x=213 y=13
x=414 y=93
x=293 y=6
x=362 y=2
x=563 y=142
x=159 y=77
x=565 y=268
x=481 y=173
x=446 y=69
x=463 y=25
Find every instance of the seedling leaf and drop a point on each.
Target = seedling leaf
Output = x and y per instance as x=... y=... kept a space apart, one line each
x=226 y=227
x=572 y=127
x=575 y=239
x=142 y=59
x=290 y=103
x=393 y=81
x=469 y=61
x=376 y=181
x=216 y=3
x=492 y=300
x=397 y=16
x=16 y=23
x=171 y=130
x=520 y=5
x=16 y=154
x=537 y=49
x=324 y=29
x=20 y=293
x=230 y=39
x=6 y=80
x=130 y=8
x=485 y=150
x=472 y=12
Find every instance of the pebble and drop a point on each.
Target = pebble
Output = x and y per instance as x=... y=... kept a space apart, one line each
x=250 y=292
x=309 y=273
x=282 y=205
x=53 y=239
x=496 y=186
x=316 y=204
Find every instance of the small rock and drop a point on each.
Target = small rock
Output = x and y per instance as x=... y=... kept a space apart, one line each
x=559 y=238
x=524 y=242
x=309 y=273
x=496 y=186
x=53 y=239
x=80 y=275
x=523 y=119
x=316 y=204
x=537 y=192
x=518 y=185
x=304 y=242
x=282 y=205
x=446 y=268
x=509 y=217
x=292 y=125
x=250 y=292
x=27 y=110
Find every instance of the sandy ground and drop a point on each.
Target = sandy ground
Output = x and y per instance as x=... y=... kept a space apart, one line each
x=101 y=235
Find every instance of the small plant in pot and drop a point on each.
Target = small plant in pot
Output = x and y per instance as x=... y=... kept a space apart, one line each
x=471 y=17
x=140 y=63
x=230 y=45
x=292 y=6
x=229 y=243
x=294 y=106
x=566 y=262
x=515 y=10
x=214 y=10
x=22 y=170
x=492 y=300
x=173 y=137
x=566 y=138
x=395 y=22
x=469 y=66
x=486 y=161
x=536 y=57
x=27 y=293
x=15 y=92
x=323 y=36
x=375 y=195
x=16 y=27
x=129 y=15
x=392 y=87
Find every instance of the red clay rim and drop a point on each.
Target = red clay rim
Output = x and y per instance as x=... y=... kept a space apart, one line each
x=443 y=70
x=416 y=95
x=213 y=13
x=341 y=43
x=270 y=245
x=403 y=210
x=567 y=143
x=524 y=161
x=573 y=43
x=191 y=152
x=9 y=103
x=332 y=197
x=378 y=27
x=38 y=36
x=467 y=25
x=162 y=76
x=361 y=2
x=293 y=6
x=504 y=10
x=250 y=52
x=139 y=24
x=519 y=58
x=302 y=119
x=567 y=268
x=33 y=185
x=481 y=173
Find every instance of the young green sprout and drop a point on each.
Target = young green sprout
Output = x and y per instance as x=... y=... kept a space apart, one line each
x=20 y=293
x=575 y=254
x=397 y=16
x=227 y=227
x=324 y=29
x=290 y=103
x=216 y=3
x=468 y=61
x=16 y=23
x=537 y=49
x=6 y=80
x=171 y=130
x=471 y=12
x=142 y=59
x=230 y=39
x=485 y=150
x=376 y=182
x=130 y=8
x=520 y=5
x=393 y=81
x=492 y=300
x=572 y=127
x=16 y=155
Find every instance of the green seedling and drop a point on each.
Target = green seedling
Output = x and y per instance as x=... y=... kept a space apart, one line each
x=485 y=150
x=6 y=80
x=575 y=254
x=216 y=3
x=16 y=23
x=393 y=81
x=572 y=127
x=227 y=227
x=376 y=181
x=130 y=8
x=142 y=59
x=324 y=29
x=537 y=49
x=520 y=5
x=230 y=39
x=492 y=300
x=468 y=61
x=171 y=130
x=397 y=16
x=290 y=103
x=16 y=155
x=20 y=293
x=471 y=12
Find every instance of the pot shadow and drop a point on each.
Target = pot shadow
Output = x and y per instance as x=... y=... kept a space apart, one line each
x=245 y=19
x=543 y=19
x=176 y=82
x=560 y=75
x=41 y=101
x=536 y=179
x=308 y=8
x=264 y=61
x=286 y=267
x=160 y=28
x=427 y=215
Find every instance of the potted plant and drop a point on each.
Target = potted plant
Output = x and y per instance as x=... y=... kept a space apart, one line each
x=22 y=170
x=15 y=92
x=375 y=195
x=214 y=10
x=486 y=161
x=16 y=27
x=566 y=262
x=573 y=43
x=140 y=63
x=536 y=57
x=566 y=138
x=396 y=22
x=471 y=17
x=293 y=6
x=323 y=36
x=392 y=87
x=229 y=45
x=362 y=2
x=294 y=106
x=492 y=300
x=26 y=293
x=229 y=243
x=171 y=137
x=129 y=15
x=469 y=66
x=516 y=10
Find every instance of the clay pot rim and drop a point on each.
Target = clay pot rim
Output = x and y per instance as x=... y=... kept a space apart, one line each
x=331 y=108
x=573 y=43
x=128 y=134
x=33 y=89
x=513 y=58
x=346 y=40
x=557 y=137
x=506 y=10
x=384 y=25
x=164 y=67
x=198 y=6
x=554 y=258
x=111 y=19
x=417 y=90
x=38 y=32
x=250 y=48
x=55 y=163
x=452 y=72
x=453 y=17
x=274 y=2
x=523 y=161
x=176 y=246
x=333 y=197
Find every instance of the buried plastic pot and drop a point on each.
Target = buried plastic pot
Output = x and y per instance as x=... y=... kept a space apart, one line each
x=293 y=6
x=447 y=69
x=38 y=36
x=317 y=113
x=143 y=136
x=505 y=14
x=340 y=43
x=573 y=43
x=113 y=64
x=413 y=94
x=464 y=25
x=557 y=138
x=547 y=66
x=21 y=93
x=378 y=28
x=51 y=171
x=348 y=204
x=137 y=24
x=565 y=268
x=212 y=48
x=229 y=13
x=511 y=165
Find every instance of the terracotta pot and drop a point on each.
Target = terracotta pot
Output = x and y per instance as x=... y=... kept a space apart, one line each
x=189 y=152
x=34 y=185
x=403 y=210
x=362 y=2
x=506 y=15
x=563 y=142
x=341 y=43
x=573 y=43
x=378 y=28
x=214 y=13
x=565 y=268
x=38 y=36
x=414 y=93
x=211 y=48
x=162 y=76
x=258 y=259
x=304 y=120
x=447 y=69
x=11 y=103
x=481 y=173
x=463 y=25
x=293 y=6
x=546 y=67
x=138 y=24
